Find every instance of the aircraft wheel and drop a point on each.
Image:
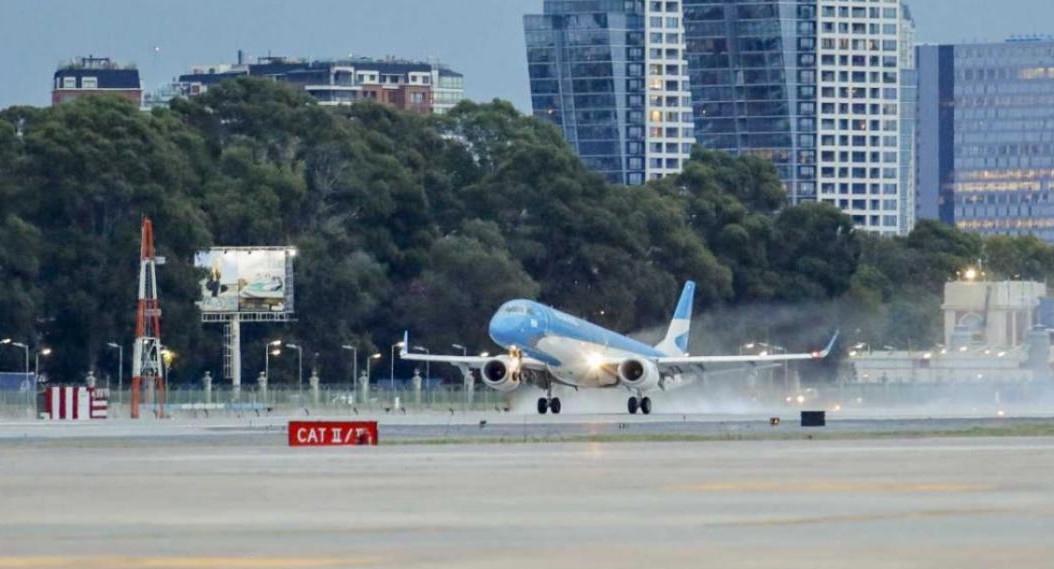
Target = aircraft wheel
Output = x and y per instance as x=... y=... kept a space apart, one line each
x=645 y=406
x=632 y=405
x=554 y=405
x=543 y=406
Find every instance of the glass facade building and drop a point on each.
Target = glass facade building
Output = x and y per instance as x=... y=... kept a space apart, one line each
x=822 y=88
x=610 y=74
x=753 y=78
x=586 y=66
x=992 y=155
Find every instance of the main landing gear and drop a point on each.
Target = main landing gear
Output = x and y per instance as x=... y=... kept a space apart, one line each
x=549 y=403
x=643 y=404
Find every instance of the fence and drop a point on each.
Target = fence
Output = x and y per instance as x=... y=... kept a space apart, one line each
x=197 y=402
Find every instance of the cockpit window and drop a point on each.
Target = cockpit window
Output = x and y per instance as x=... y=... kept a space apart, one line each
x=516 y=309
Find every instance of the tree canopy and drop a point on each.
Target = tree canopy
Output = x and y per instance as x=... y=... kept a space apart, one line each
x=421 y=223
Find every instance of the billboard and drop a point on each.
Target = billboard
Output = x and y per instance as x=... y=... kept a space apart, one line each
x=246 y=279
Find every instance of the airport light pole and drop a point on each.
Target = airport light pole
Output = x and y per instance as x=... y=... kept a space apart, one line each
x=268 y=352
x=464 y=350
x=428 y=364
x=36 y=370
x=391 y=380
x=376 y=356
x=36 y=380
x=300 y=366
x=354 y=364
x=120 y=369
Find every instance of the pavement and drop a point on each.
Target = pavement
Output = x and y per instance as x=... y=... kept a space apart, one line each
x=231 y=495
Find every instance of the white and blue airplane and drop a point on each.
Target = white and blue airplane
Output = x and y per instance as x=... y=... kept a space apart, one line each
x=547 y=347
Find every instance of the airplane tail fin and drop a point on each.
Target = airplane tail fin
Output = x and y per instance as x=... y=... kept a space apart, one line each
x=676 y=341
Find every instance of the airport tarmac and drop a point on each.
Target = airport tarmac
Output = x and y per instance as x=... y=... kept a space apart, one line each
x=227 y=498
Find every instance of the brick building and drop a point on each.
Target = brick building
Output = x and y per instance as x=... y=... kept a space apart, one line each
x=96 y=76
x=409 y=85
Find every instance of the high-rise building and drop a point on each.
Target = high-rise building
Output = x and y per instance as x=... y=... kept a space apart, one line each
x=985 y=158
x=909 y=86
x=410 y=85
x=816 y=86
x=753 y=77
x=612 y=75
x=859 y=80
x=96 y=76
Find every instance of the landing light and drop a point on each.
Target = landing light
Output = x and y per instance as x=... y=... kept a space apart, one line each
x=801 y=399
x=595 y=360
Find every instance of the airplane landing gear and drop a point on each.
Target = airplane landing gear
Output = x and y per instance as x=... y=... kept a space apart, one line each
x=643 y=404
x=549 y=403
x=546 y=405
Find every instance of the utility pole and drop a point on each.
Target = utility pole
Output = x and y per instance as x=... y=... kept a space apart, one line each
x=120 y=369
x=354 y=364
x=300 y=366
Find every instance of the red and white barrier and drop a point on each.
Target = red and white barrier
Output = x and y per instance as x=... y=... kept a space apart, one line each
x=76 y=403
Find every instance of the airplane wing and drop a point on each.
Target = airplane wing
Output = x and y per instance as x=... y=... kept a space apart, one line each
x=748 y=359
x=473 y=362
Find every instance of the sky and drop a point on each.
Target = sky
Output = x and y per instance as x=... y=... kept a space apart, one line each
x=481 y=38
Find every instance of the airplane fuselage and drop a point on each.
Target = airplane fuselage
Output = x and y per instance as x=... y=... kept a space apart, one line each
x=569 y=346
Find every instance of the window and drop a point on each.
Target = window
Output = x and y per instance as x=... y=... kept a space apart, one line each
x=69 y=82
x=89 y=82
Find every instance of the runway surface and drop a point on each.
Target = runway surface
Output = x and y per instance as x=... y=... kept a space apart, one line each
x=216 y=496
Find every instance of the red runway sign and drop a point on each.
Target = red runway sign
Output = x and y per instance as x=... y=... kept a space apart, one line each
x=332 y=433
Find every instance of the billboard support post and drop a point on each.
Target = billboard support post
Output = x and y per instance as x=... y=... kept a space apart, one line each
x=233 y=355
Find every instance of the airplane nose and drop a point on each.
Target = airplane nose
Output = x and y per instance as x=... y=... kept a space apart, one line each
x=503 y=330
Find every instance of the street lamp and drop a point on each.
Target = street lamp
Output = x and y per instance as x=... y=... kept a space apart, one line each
x=428 y=364
x=376 y=356
x=391 y=383
x=120 y=368
x=464 y=350
x=268 y=352
x=45 y=352
x=300 y=365
x=354 y=363
x=36 y=379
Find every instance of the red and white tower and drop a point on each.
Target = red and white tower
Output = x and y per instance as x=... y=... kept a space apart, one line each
x=146 y=355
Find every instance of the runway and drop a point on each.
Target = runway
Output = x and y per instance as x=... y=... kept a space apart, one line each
x=214 y=496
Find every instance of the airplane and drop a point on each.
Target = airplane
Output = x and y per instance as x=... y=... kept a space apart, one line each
x=547 y=347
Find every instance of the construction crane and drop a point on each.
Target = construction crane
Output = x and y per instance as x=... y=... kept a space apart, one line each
x=146 y=358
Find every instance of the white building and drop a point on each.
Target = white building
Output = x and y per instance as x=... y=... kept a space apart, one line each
x=989 y=336
x=859 y=79
x=668 y=108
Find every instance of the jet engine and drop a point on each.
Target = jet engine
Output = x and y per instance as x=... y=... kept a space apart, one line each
x=639 y=374
x=501 y=374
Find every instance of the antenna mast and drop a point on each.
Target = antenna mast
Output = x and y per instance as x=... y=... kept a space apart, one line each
x=146 y=359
